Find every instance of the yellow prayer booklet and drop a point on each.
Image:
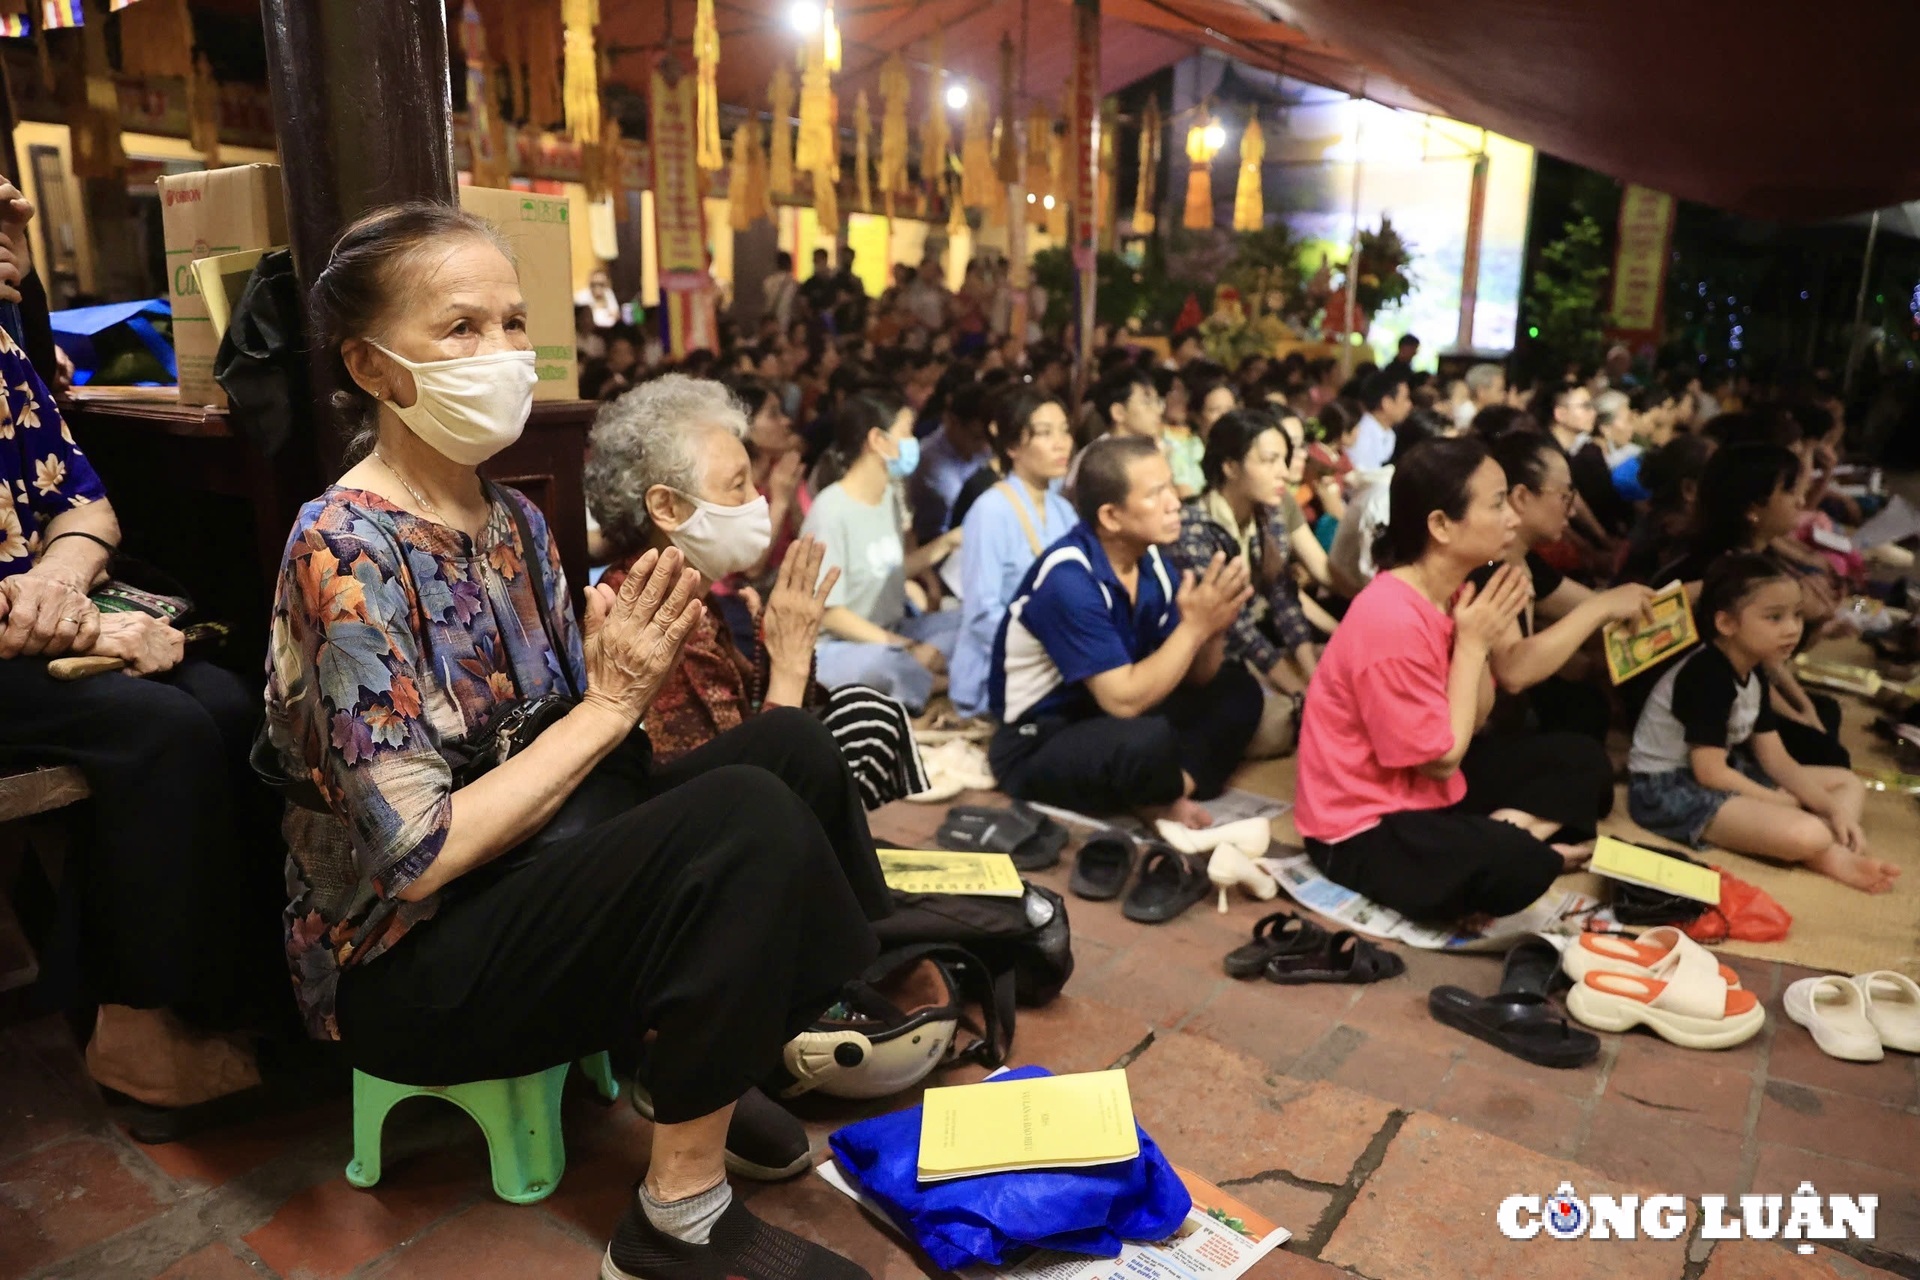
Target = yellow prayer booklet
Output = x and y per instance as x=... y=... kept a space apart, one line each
x=1634 y=645
x=1048 y=1122
x=980 y=875
x=1644 y=867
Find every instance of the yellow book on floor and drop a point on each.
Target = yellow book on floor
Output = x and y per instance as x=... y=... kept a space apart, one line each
x=980 y=875
x=1644 y=867
x=1048 y=1122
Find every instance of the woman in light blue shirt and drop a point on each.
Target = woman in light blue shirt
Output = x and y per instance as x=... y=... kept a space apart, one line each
x=1007 y=528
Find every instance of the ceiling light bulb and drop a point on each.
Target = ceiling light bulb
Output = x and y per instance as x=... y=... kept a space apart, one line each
x=1031 y=197
x=805 y=17
x=1047 y=203
x=957 y=96
x=1215 y=137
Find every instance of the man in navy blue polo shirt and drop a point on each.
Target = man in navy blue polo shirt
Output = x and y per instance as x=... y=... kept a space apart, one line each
x=1108 y=675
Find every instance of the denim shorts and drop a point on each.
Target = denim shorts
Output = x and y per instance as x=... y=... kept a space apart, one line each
x=1674 y=804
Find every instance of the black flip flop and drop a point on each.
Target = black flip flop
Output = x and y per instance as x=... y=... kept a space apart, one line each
x=985 y=828
x=1533 y=968
x=1169 y=883
x=1042 y=849
x=1280 y=934
x=1343 y=957
x=1031 y=839
x=1521 y=1023
x=1101 y=868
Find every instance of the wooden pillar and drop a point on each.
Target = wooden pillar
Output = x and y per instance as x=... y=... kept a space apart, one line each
x=362 y=103
x=1084 y=182
x=1470 y=262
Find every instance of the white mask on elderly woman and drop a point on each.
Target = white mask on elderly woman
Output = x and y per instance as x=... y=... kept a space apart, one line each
x=718 y=540
x=469 y=408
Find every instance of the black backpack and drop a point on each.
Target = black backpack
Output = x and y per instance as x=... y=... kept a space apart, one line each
x=1025 y=943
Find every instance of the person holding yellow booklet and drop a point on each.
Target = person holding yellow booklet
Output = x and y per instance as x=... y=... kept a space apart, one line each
x=1707 y=762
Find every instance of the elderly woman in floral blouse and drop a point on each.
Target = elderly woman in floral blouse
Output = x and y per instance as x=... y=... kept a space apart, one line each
x=696 y=930
x=174 y=906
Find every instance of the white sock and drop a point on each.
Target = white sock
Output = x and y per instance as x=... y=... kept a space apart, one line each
x=692 y=1219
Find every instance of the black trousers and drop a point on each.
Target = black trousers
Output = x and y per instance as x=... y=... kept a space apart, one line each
x=1572 y=706
x=173 y=894
x=723 y=912
x=1106 y=765
x=1564 y=777
x=1442 y=864
x=1810 y=746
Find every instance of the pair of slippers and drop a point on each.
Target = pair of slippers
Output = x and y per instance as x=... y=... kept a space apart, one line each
x=1169 y=881
x=1031 y=838
x=1661 y=980
x=1859 y=1018
x=1520 y=1018
x=1294 y=951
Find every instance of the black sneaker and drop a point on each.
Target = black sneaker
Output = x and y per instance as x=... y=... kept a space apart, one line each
x=765 y=1143
x=741 y=1248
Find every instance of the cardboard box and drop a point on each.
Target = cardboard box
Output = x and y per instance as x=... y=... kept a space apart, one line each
x=201 y=215
x=536 y=226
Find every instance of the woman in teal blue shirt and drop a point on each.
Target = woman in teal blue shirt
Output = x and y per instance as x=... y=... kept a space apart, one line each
x=1006 y=528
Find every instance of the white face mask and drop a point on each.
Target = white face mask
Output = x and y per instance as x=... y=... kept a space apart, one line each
x=719 y=540
x=471 y=407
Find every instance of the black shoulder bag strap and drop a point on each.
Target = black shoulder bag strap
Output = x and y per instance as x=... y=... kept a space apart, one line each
x=537 y=573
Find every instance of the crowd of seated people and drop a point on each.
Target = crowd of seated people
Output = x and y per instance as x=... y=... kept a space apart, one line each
x=804 y=540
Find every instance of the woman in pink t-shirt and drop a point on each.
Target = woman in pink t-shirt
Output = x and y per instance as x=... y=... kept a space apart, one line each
x=1387 y=801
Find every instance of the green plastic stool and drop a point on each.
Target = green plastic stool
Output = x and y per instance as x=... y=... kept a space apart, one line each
x=520 y=1116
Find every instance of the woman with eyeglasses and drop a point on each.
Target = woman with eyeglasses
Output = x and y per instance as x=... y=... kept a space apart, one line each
x=1536 y=664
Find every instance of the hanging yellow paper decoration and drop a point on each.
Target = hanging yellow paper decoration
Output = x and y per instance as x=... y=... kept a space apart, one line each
x=156 y=39
x=1249 y=214
x=1143 y=216
x=1198 y=215
x=1039 y=184
x=934 y=135
x=203 y=112
x=862 y=129
x=739 y=179
x=582 y=88
x=759 y=192
x=706 y=57
x=1057 y=188
x=544 y=104
x=814 y=148
x=1007 y=160
x=976 y=156
x=780 y=159
x=830 y=39
x=752 y=156
x=894 y=91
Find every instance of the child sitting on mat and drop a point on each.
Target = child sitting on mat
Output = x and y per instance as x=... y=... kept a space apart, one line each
x=1707 y=761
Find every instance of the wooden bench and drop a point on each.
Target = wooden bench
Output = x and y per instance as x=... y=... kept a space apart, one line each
x=30 y=854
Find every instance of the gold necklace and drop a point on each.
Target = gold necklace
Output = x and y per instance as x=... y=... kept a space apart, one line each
x=418 y=497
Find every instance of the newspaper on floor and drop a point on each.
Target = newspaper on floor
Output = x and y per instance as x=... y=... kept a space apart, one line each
x=1220 y=1240
x=1231 y=805
x=1559 y=912
x=1896 y=521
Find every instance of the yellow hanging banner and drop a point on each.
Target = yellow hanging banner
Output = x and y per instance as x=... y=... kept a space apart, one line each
x=1249 y=209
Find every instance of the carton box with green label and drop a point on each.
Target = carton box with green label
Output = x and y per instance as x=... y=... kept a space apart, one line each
x=536 y=227
x=203 y=215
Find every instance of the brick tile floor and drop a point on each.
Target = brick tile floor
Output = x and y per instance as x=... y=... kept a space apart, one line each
x=1382 y=1140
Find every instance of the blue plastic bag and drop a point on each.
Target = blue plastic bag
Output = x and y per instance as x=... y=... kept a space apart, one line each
x=984 y=1219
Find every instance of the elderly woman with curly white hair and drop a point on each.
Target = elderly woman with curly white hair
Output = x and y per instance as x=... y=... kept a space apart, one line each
x=670 y=469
